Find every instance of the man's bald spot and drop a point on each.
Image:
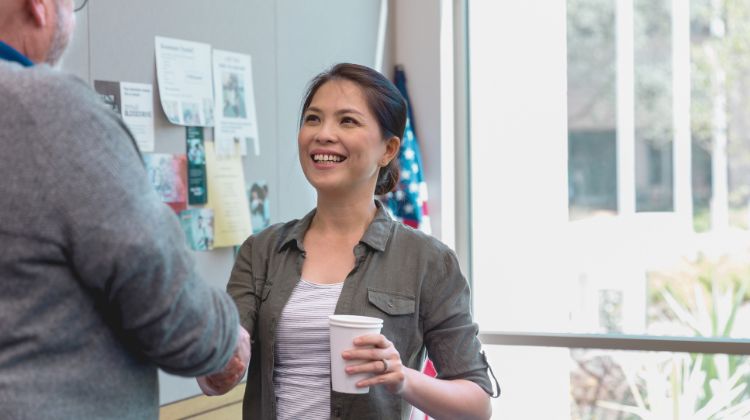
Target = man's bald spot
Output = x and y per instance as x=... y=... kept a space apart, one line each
x=13 y=14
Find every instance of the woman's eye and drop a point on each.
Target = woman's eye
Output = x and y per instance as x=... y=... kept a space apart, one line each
x=312 y=118
x=348 y=120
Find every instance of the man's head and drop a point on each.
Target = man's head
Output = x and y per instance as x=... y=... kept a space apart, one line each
x=39 y=29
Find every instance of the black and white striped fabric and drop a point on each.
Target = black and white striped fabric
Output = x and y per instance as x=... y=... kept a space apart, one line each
x=302 y=369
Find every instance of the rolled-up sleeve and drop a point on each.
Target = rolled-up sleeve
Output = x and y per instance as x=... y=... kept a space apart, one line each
x=450 y=335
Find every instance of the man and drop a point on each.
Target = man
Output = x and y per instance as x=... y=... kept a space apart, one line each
x=96 y=286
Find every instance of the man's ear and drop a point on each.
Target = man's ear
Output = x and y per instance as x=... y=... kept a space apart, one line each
x=39 y=11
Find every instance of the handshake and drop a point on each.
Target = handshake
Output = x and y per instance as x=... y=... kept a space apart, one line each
x=221 y=382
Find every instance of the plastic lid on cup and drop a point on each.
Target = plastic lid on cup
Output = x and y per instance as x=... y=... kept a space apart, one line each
x=355 y=321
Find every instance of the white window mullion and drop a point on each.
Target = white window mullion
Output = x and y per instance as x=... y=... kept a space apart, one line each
x=447 y=126
x=519 y=210
x=625 y=108
x=719 y=159
x=682 y=143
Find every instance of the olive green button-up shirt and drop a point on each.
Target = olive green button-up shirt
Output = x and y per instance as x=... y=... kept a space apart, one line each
x=410 y=280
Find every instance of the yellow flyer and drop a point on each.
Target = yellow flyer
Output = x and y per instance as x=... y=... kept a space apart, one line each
x=228 y=199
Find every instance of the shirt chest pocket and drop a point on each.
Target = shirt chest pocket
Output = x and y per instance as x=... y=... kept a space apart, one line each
x=398 y=313
x=391 y=303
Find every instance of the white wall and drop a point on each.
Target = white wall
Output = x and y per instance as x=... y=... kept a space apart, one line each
x=519 y=184
x=416 y=46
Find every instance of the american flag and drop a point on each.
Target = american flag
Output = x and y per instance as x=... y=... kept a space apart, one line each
x=408 y=203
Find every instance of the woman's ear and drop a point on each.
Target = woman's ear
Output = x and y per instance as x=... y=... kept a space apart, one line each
x=392 y=146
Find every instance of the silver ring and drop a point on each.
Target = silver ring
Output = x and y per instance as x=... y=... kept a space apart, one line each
x=386 y=365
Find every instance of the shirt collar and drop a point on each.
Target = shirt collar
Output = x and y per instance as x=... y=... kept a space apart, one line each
x=11 y=54
x=376 y=236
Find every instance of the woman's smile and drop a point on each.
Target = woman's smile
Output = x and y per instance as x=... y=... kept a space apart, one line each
x=326 y=159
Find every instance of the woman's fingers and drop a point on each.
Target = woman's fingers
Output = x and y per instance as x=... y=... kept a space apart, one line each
x=380 y=358
x=377 y=340
x=393 y=378
x=370 y=347
x=376 y=367
x=364 y=354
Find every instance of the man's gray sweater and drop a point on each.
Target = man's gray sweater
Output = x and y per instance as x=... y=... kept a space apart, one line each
x=97 y=288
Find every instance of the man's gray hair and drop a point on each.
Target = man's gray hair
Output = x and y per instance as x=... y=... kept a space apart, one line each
x=61 y=38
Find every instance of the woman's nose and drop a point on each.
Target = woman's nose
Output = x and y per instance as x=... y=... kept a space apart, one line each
x=326 y=134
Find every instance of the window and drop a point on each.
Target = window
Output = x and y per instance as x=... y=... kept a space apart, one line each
x=616 y=384
x=610 y=175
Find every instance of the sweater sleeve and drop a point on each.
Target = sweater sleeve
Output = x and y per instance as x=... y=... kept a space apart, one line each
x=124 y=244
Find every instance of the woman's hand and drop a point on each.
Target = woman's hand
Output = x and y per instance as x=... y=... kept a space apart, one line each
x=381 y=358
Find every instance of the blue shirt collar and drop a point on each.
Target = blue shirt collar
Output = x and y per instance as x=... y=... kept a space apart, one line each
x=10 y=54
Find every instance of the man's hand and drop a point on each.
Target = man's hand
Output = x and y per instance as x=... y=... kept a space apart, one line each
x=221 y=382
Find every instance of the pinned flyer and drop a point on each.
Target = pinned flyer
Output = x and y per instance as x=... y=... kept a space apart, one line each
x=198 y=225
x=260 y=211
x=196 y=163
x=135 y=103
x=167 y=174
x=236 y=120
x=183 y=71
x=226 y=195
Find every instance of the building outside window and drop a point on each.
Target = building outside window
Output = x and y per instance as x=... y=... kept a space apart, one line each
x=609 y=168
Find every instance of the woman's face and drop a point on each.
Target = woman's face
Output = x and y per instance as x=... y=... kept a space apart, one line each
x=340 y=144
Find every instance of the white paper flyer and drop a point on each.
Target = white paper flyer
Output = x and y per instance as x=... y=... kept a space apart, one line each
x=183 y=71
x=135 y=103
x=236 y=120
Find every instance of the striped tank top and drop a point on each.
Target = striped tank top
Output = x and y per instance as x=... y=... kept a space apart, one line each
x=302 y=365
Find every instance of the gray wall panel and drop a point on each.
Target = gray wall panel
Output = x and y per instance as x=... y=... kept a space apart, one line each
x=76 y=58
x=313 y=35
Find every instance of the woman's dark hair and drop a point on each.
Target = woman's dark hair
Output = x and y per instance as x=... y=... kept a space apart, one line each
x=384 y=101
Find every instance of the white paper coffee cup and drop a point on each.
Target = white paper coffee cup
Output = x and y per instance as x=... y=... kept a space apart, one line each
x=344 y=329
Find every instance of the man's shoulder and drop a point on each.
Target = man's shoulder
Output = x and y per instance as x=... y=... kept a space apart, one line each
x=62 y=115
x=39 y=83
x=53 y=97
x=53 y=101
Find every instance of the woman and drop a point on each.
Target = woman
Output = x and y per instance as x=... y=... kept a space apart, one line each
x=349 y=257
